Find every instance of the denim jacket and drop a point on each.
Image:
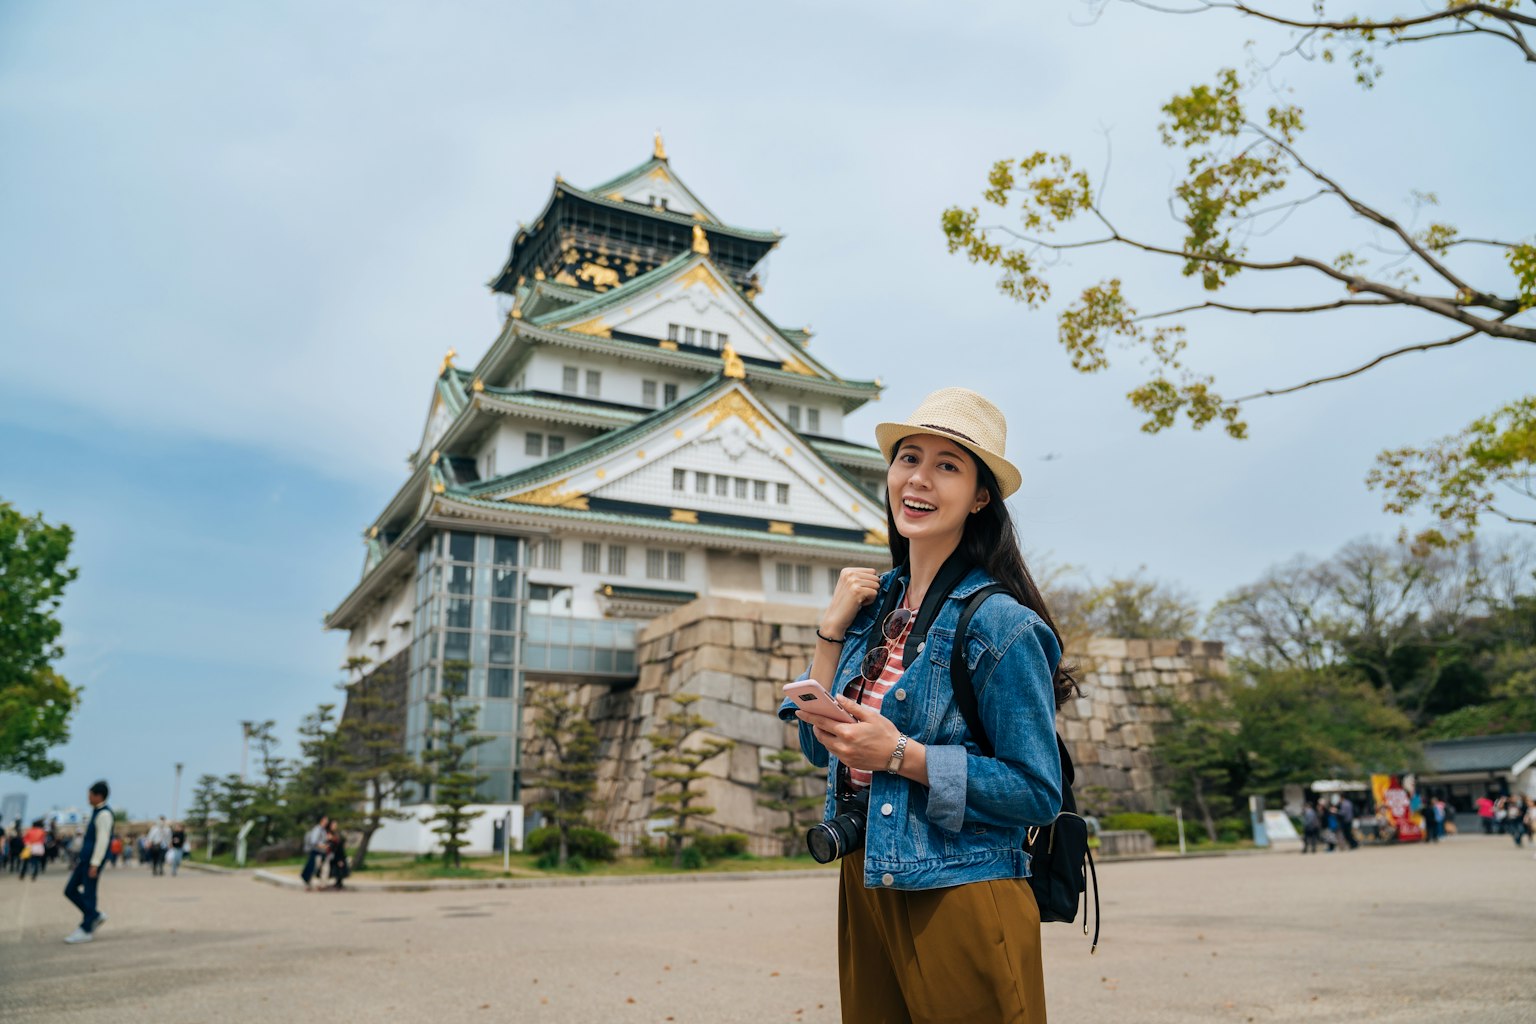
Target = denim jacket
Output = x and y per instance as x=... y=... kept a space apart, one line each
x=968 y=823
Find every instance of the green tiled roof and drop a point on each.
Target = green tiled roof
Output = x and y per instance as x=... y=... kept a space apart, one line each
x=714 y=226
x=573 y=458
x=643 y=170
x=594 y=303
x=576 y=407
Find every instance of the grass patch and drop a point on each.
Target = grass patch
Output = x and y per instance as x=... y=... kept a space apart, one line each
x=525 y=865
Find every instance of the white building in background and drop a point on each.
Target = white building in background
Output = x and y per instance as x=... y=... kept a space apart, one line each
x=638 y=434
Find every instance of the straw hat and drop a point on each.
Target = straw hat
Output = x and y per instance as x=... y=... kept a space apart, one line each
x=962 y=414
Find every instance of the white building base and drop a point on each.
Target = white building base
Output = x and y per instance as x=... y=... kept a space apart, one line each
x=415 y=834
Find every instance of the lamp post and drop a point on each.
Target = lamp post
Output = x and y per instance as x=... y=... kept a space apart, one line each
x=176 y=793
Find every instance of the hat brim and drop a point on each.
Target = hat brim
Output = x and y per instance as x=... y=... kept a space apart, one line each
x=889 y=435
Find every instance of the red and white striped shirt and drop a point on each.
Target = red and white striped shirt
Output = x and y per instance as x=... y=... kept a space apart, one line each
x=874 y=692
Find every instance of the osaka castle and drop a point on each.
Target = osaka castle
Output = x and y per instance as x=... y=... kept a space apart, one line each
x=639 y=434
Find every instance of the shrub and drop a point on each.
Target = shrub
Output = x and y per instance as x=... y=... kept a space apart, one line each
x=1230 y=830
x=587 y=843
x=1164 y=829
x=692 y=858
x=726 y=844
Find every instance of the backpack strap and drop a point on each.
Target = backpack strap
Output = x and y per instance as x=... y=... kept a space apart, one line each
x=965 y=694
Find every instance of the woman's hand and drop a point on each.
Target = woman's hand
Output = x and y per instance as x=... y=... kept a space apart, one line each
x=866 y=744
x=856 y=587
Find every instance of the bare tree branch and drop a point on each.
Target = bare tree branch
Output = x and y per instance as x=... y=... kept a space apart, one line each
x=1341 y=304
x=1425 y=347
x=1456 y=12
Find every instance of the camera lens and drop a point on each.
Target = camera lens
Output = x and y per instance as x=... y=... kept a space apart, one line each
x=836 y=838
x=822 y=844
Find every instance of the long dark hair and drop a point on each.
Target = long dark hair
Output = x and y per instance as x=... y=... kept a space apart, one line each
x=989 y=541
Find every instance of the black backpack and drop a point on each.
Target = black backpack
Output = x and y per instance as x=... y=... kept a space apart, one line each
x=1059 y=854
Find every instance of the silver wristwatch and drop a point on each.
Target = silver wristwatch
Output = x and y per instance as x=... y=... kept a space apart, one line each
x=894 y=764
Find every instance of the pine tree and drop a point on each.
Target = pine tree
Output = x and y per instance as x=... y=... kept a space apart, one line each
x=372 y=736
x=200 y=816
x=784 y=790
x=321 y=784
x=566 y=744
x=455 y=784
x=676 y=769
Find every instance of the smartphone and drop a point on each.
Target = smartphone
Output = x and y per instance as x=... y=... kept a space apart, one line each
x=812 y=698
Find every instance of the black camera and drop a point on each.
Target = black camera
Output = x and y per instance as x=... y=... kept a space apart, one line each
x=839 y=837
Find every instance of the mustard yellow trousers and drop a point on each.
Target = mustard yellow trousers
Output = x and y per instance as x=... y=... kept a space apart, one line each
x=969 y=953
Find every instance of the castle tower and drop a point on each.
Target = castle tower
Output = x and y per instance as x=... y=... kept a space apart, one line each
x=638 y=434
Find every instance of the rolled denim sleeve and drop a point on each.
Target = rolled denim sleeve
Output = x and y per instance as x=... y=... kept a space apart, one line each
x=1020 y=784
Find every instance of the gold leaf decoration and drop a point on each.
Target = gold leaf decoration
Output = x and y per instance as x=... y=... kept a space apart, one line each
x=595 y=327
x=733 y=404
x=793 y=365
x=558 y=494
x=685 y=515
x=787 y=529
x=700 y=275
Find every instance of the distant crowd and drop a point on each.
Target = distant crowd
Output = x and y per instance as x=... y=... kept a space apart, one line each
x=27 y=850
x=1329 y=823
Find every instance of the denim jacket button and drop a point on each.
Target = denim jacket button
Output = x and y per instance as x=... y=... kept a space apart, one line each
x=886 y=809
x=901 y=694
x=887 y=878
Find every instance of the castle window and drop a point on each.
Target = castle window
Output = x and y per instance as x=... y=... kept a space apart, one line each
x=792 y=579
x=688 y=335
x=591 y=557
x=618 y=554
x=668 y=393
x=741 y=489
x=701 y=482
x=674 y=565
x=679 y=479
x=569 y=378
x=534 y=444
x=794 y=416
x=722 y=338
x=594 y=383
x=813 y=420
x=556 y=444
x=759 y=490
x=707 y=338
x=722 y=487
x=673 y=330
x=648 y=393
x=781 y=493
x=655 y=564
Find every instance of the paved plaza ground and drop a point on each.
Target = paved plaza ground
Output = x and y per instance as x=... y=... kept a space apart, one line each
x=1415 y=934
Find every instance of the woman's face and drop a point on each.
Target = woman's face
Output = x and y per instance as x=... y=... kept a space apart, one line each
x=932 y=488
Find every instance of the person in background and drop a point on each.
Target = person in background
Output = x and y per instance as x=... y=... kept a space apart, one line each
x=336 y=848
x=178 y=846
x=1514 y=817
x=1311 y=827
x=1347 y=823
x=1485 y=813
x=34 y=847
x=81 y=888
x=156 y=843
x=314 y=850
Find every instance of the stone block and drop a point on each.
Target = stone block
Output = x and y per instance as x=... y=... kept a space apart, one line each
x=1096 y=731
x=766 y=696
x=744 y=764
x=752 y=664
x=1164 y=664
x=1074 y=731
x=1165 y=648
x=778 y=670
x=1084 y=707
x=1138 y=648
x=1145 y=678
x=743 y=635
x=1102 y=647
x=720 y=686
x=743 y=725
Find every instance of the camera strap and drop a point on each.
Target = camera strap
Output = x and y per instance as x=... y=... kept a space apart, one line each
x=954 y=569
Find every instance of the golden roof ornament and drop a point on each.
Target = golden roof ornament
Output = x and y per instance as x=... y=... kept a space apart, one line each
x=660 y=151
x=478 y=385
x=700 y=241
x=734 y=367
x=447 y=361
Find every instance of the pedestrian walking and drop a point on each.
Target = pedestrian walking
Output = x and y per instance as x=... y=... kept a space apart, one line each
x=156 y=843
x=81 y=888
x=1435 y=819
x=943 y=845
x=1485 y=813
x=1311 y=828
x=314 y=849
x=178 y=846
x=1347 y=823
x=1514 y=818
x=336 y=849
x=34 y=850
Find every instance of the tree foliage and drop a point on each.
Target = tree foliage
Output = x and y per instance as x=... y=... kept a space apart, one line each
x=1133 y=607
x=35 y=701
x=676 y=767
x=1244 y=172
x=372 y=736
x=565 y=745
x=784 y=788
x=449 y=758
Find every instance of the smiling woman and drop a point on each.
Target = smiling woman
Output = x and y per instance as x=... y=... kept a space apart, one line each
x=930 y=831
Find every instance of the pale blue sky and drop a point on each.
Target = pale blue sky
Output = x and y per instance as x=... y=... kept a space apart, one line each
x=238 y=238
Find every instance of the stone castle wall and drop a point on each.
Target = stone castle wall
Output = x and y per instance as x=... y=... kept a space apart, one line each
x=737 y=655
